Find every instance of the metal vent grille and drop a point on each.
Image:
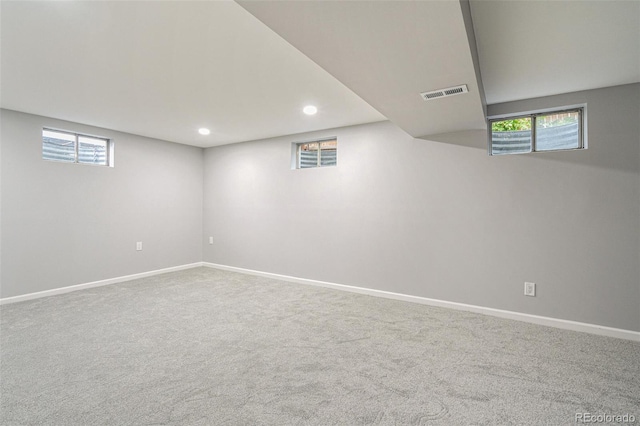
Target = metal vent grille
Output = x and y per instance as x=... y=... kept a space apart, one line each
x=443 y=93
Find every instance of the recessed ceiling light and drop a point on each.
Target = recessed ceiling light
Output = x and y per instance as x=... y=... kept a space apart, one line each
x=310 y=110
x=204 y=131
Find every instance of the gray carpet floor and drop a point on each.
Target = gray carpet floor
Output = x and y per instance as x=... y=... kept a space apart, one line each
x=209 y=347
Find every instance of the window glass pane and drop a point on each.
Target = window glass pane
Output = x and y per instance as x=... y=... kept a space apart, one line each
x=58 y=146
x=92 y=150
x=309 y=146
x=558 y=131
x=511 y=136
x=329 y=144
x=329 y=153
x=308 y=155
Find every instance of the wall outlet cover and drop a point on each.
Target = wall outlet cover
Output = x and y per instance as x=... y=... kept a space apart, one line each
x=529 y=289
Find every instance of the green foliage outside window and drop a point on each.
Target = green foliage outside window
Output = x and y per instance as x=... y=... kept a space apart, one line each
x=511 y=125
x=543 y=121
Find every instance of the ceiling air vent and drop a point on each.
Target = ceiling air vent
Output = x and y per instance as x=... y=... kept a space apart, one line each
x=443 y=93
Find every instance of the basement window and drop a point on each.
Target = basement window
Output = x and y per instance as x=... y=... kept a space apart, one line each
x=554 y=130
x=320 y=153
x=69 y=147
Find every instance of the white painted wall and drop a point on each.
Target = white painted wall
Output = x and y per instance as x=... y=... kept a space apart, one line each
x=445 y=221
x=66 y=224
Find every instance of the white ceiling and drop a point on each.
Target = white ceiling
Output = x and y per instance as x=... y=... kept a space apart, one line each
x=164 y=69
x=388 y=52
x=530 y=49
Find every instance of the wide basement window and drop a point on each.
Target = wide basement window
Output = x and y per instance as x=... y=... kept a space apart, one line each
x=317 y=153
x=542 y=131
x=72 y=147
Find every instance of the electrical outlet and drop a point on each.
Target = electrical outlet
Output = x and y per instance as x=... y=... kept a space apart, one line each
x=139 y=245
x=530 y=289
x=210 y=240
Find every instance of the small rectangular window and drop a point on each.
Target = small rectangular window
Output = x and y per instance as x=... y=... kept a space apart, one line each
x=58 y=145
x=537 y=132
x=558 y=131
x=511 y=136
x=317 y=153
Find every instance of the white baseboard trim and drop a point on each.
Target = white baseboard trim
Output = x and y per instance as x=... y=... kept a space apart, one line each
x=535 y=319
x=100 y=283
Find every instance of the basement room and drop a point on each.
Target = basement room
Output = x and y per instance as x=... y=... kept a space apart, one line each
x=319 y=212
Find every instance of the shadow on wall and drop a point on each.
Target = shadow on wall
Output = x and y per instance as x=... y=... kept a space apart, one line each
x=467 y=138
x=613 y=128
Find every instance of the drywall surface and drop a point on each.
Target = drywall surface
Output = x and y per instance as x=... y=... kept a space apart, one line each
x=66 y=224
x=445 y=221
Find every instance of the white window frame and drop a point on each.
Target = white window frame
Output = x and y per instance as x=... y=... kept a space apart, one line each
x=582 y=127
x=296 y=150
x=109 y=150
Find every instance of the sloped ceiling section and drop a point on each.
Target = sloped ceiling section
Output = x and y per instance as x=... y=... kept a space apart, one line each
x=530 y=49
x=388 y=53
